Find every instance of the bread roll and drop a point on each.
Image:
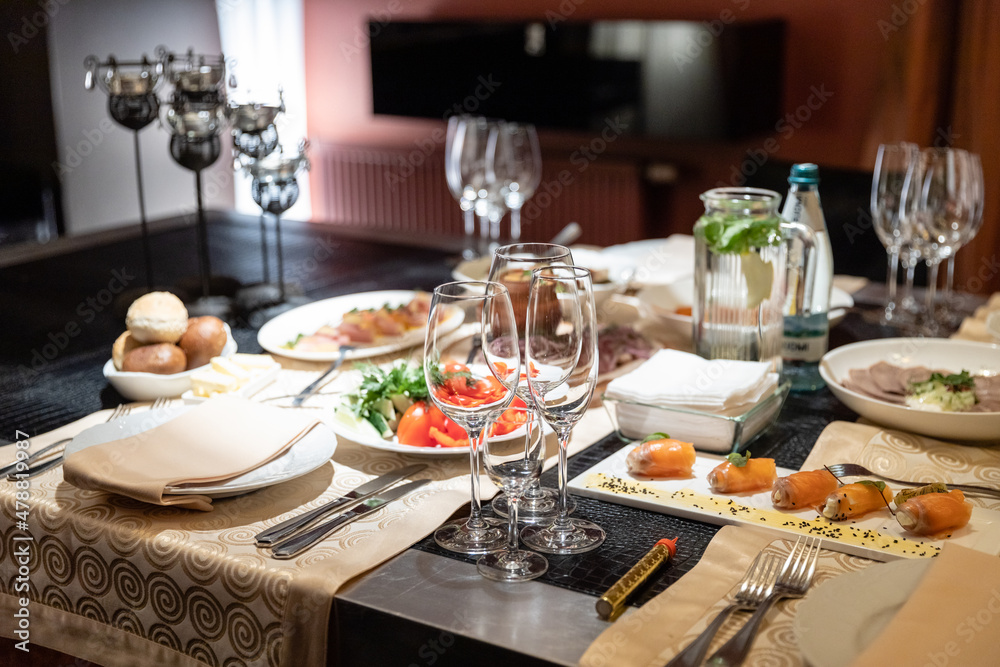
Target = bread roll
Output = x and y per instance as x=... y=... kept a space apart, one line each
x=204 y=338
x=125 y=344
x=157 y=317
x=159 y=358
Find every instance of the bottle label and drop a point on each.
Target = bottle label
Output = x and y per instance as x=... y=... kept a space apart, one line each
x=804 y=348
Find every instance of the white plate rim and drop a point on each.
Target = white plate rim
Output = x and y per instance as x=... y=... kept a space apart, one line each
x=872 y=594
x=235 y=486
x=395 y=446
x=315 y=314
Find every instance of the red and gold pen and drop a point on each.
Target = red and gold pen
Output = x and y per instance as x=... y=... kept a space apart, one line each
x=613 y=600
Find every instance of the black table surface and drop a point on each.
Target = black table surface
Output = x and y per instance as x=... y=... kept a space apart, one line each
x=63 y=312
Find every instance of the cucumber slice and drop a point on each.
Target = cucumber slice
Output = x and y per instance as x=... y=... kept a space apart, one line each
x=357 y=424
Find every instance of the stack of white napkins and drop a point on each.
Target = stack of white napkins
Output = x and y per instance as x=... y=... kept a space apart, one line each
x=685 y=395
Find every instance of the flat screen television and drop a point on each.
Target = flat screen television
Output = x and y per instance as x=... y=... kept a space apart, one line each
x=671 y=79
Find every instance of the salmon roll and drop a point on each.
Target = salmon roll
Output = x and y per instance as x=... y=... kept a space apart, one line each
x=934 y=513
x=661 y=457
x=742 y=474
x=802 y=490
x=854 y=500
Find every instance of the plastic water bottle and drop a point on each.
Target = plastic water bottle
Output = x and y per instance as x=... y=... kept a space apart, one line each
x=806 y=325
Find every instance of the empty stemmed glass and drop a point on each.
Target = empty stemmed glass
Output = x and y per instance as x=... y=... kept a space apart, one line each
x=562 y=363
x=513 y=468
x=947 y=312
x=937 y=202
x=459 y=153
x=512 y=266
x=891 y=165
x=472 y=397
x=519 y=168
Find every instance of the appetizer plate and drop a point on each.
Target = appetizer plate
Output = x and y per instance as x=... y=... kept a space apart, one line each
x=876 y=535
x=306 y=455
x=150 y=386
x=662 y=301
x=934 y=353
x=393 y=445
x=307 y=319
x=838 y=620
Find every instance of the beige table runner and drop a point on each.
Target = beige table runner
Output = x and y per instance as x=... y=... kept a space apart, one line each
x=118 y=582
x=975 y=327
x=654 y=633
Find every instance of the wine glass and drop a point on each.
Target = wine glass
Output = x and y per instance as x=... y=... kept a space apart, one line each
x=562 y=364
x=462 y=189
x=514 y=468
x=937 y=196
x=472 y=397
x=512 y=266
x=891 y=165
x=519 y=169
x=947 y=311
x=491 y=205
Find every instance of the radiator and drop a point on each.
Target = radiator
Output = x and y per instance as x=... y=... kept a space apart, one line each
x=404 y=190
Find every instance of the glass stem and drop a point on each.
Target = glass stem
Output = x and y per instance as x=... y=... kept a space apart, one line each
x=562 y=519
x=891 y=276
x=911 y=266
x=932 y=277
x=512 y=501
x=949 y=279
x=534 y=490
x=476 y=515
x=515 y=224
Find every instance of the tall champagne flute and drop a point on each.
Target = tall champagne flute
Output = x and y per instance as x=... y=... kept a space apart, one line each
x=472 y=397
x=491 y=205
x=947 y=311
x=459 y=170
x=512 y=266
x=891 y=165
x=562 y=364
x=522 y=169
x=513 y=468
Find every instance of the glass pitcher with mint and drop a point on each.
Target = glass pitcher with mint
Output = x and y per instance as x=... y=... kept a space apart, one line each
x=742 y=274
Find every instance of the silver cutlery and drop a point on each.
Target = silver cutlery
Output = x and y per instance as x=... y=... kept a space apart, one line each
x=287 y=528
x=855 y=470
x=793 y=581
x=33 y=457
x=315 y=384
x=303 y=541
x=756 y=585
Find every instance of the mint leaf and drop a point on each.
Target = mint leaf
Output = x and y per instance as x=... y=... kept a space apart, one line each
x=739 y=460
x=878 y=485
x=734 y=233
x=655 y=436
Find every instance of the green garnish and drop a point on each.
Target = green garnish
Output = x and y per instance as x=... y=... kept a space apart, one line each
x=906 y=494
x=739 y=460
x=955 y=382
x=655 y=436
x=290 y=345
x=878 y=485
x=734 y=233
x=377 y=383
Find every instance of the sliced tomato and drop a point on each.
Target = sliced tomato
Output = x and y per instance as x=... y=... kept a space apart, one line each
x=415 y=424
x=511 y=419
x=441 y=422
x=445 y=440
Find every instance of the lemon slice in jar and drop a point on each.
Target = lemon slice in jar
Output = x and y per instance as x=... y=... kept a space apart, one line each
x=759 y=276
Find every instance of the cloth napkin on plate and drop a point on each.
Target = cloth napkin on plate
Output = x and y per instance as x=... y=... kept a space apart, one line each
x=219 y=439
x=950 y=619
x=671 y=378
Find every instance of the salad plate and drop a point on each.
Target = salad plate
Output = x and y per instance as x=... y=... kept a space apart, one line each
x=276 y=335
x=934 y=353
x=372 y=440
x=309 y=453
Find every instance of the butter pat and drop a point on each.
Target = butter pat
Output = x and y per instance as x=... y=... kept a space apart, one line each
x=231 y=368
x=261 y=361
x=211 y=382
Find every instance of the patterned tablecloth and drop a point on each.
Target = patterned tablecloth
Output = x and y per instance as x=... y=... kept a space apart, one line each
x=118 y=582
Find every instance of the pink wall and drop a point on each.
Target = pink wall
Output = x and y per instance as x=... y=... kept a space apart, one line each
x=832 y=45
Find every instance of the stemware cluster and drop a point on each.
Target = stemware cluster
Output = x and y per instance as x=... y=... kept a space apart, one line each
x=537 y=335
x=926 y=204
x=491 y=166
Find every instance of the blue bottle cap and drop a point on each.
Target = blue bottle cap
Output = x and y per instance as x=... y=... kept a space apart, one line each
x=806 y=173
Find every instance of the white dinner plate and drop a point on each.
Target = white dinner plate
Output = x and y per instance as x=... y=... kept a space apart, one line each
x=841 y=617
x=150 y=386
x=934 y=353
x=276 y=333
x=662 y=301
x=309 y=453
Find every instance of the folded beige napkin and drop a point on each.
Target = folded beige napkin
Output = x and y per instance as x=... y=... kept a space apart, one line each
x=219 y=439
x=983 y=325
x=950 y=619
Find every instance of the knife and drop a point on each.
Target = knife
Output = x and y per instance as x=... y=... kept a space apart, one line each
x=286 y=528
x=303 y=541
x=308 y=391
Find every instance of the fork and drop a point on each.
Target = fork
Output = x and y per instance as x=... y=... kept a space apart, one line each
x=118 y=413
x=757 y=583
x=793 y=581
x=855 y=470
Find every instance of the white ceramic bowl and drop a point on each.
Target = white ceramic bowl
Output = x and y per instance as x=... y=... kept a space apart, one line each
x=150 y=386
x=934 y=353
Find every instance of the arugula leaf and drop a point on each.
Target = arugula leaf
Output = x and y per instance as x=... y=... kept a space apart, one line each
x=290 y=345
x=955 y=382
x=655 y=436
x=880 y=485
x=735 y=233
x=739 y=460
x=378 y=383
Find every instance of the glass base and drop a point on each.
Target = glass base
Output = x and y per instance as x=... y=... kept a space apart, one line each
x=534 y=510
x=517 y=566
x=580 y=537
x=458 y=537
